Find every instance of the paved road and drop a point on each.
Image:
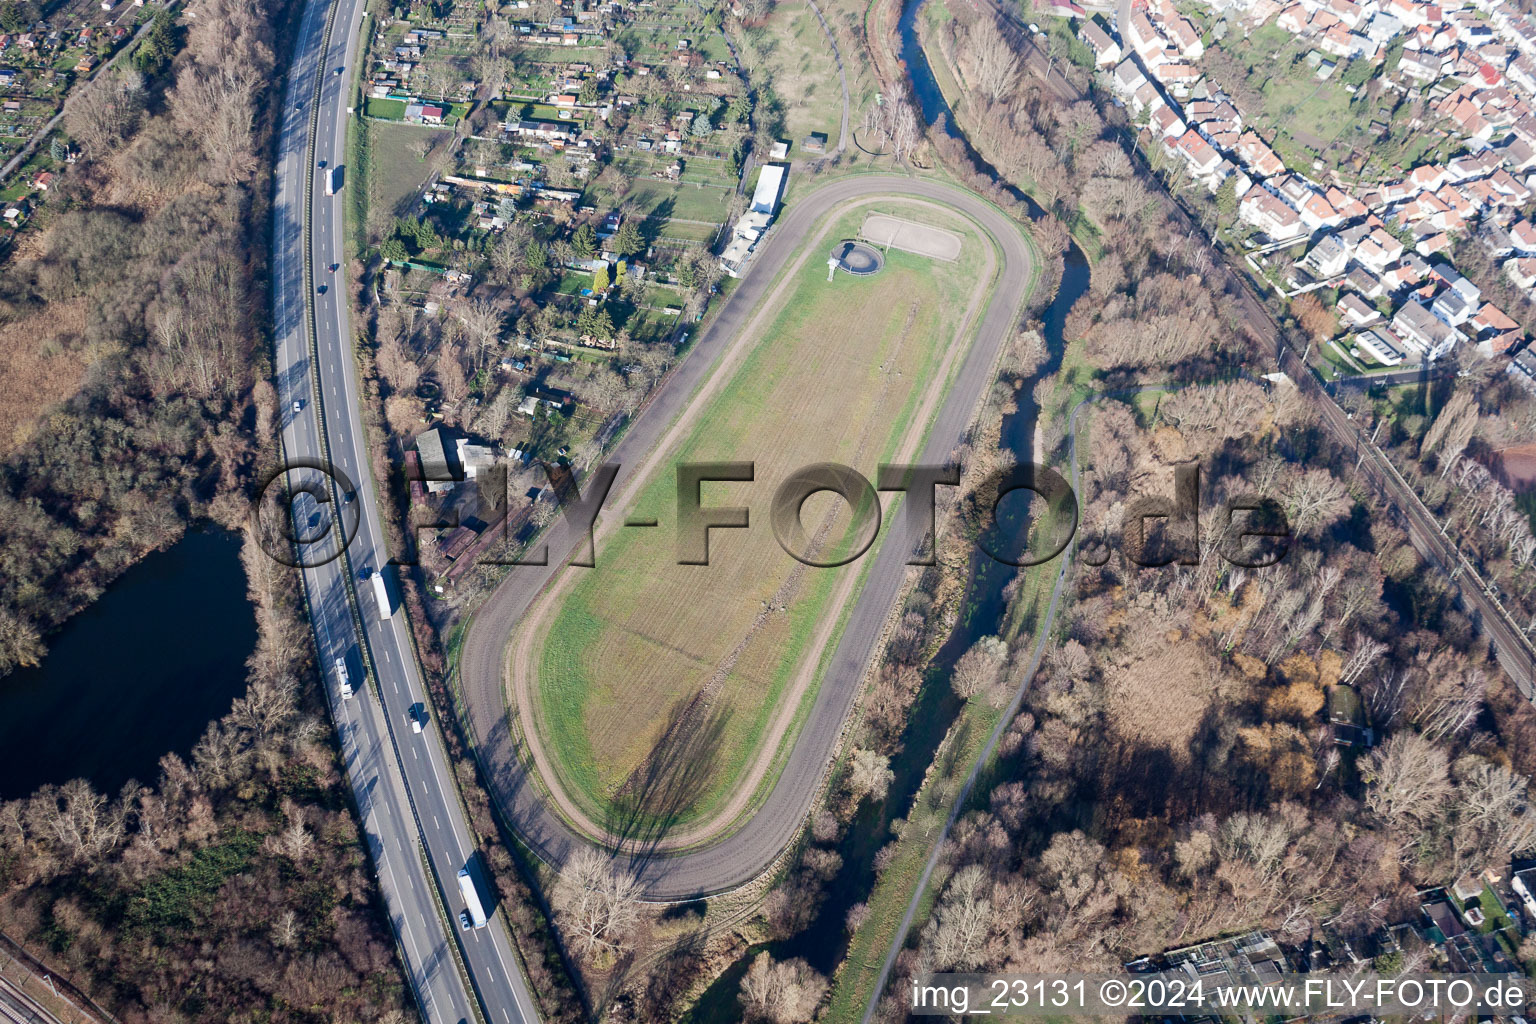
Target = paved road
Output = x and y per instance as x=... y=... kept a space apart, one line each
x=744 y=854
x=412 y=817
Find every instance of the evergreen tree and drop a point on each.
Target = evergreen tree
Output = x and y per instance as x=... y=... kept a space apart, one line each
x=584 y=241
x=600 y=279
x=628 y=241
x=1226 y=199
x=153 y=55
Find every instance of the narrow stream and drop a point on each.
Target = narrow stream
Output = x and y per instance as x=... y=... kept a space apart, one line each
x=825 y=941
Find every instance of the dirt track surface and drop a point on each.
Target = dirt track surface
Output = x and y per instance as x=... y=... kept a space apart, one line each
x=922 y=239
x=745 y=853
x=684 y=730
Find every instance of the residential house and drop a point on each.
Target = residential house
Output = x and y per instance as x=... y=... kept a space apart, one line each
x=1523 y=369
x=1167 y=124
x=1317 y=213
x=1269 y=214
x=1179 y=78
x=1424 y=332
x=1410 y=271
x=1494 y=332
x=1381 y=345
x=424 y=113
x=1511 y=191
x=1148 y=98
x=1144 y=38
x=1521 y=271
x=1419 y=66
x=1328 y=258
x=1200 y=155
x=1105 y=50
x=1378 y=251
x=1348 y=207
x=1471 y=167
x=1127 y=79
x=1522 y=237
x=1356 y=312
x=1365 y=283
x=1260 y=159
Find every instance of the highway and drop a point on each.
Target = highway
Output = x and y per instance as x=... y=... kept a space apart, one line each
x=415 y=825
x=741 y=856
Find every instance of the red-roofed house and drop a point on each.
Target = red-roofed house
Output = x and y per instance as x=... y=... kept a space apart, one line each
x=1505 y=184
x=1348 y=206
x=1494 y=331
x=1378 y=251
x=1200 y=155
x=1317 y=212
x=1257 y=155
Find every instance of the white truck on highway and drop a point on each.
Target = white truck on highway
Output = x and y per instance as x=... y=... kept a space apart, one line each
x=471 y=896
x=381 y=591
x=342 y=680
x=332 y=180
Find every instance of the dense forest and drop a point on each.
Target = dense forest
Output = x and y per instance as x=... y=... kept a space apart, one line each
x=144 y=269
x=235 y=886
x=1185 y=764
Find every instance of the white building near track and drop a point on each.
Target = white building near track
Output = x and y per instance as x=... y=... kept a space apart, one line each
x=750 y=226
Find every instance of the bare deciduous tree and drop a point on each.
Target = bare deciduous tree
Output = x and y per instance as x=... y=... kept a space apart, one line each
x=598 y=900
x=1409 y=781
x=101 y=113
x=995 y=65
x=977 y=669
x=781 y=993
x=869 y=774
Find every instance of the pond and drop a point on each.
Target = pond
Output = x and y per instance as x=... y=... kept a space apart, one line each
x=138 y=674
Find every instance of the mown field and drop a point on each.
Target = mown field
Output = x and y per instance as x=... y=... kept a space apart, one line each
x=838 y=375
x=796 y=64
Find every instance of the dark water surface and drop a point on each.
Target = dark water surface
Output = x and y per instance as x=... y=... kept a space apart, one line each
x=138 y=674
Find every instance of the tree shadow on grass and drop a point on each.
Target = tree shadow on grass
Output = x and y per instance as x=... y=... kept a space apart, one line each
x=669 y=780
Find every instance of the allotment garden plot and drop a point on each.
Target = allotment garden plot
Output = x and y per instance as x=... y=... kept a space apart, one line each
x=655 y=688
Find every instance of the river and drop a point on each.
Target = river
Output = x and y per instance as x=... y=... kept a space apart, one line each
x=138 y=674
x=825 y=941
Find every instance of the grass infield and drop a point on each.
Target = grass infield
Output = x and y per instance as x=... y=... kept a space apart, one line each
x=838 y=374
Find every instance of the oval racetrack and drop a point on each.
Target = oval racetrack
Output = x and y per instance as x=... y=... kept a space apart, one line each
x=741 y=856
